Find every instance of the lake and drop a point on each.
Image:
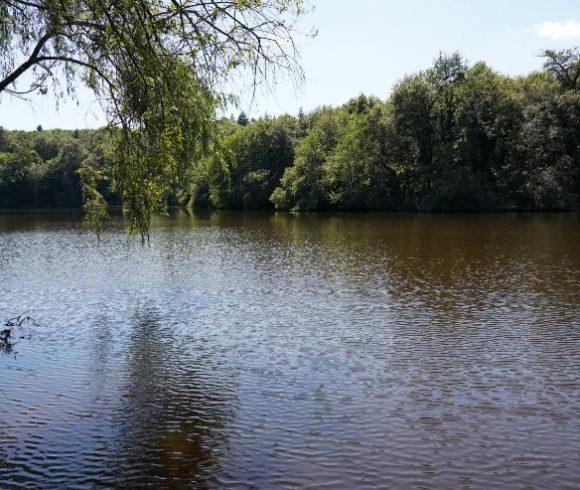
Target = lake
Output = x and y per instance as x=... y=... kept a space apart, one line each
x=262 y=350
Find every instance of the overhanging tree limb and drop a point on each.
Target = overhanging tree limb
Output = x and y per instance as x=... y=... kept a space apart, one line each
x=157 y=65
x=31 y=61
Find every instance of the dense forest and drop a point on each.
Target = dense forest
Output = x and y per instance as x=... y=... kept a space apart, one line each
x=452 y=137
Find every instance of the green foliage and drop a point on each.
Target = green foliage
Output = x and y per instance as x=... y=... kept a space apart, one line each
x=94 y=204
x=358 y=173
x=15 y=181
x=449 y=138
x=42 y=169
x=156 y=67
x=564 y=66
x=243 y=119
x=248 y=163
x=452 y=137
x=259 y=155
x=302 y=187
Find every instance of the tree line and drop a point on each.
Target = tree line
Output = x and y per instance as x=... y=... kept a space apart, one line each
x=449 y=138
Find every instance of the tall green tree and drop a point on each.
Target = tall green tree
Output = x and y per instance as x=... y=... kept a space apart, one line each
x=302 y=185
x=243 y=119
x=253 y=158
x=358 y=173
x=565 y=66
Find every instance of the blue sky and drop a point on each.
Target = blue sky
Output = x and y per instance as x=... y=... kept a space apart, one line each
x=366 y=46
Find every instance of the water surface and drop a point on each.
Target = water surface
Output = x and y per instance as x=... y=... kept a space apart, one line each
x=275 y=351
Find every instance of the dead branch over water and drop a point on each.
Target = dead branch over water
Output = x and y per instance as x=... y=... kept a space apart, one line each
x=10 y=328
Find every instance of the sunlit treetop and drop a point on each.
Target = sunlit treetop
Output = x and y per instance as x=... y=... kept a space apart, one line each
x=565 y=66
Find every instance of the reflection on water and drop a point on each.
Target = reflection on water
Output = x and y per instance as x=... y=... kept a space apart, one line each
x=270 y=350
x=172 y=412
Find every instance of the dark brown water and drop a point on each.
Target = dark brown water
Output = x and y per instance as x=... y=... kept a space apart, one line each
x=276 y=351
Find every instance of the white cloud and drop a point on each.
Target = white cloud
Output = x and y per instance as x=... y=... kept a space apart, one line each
x=558 y=31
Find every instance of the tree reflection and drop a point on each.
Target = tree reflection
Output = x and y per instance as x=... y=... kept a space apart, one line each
x=174 y=403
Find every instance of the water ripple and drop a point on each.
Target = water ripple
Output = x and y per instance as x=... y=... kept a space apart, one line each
x=275 y=351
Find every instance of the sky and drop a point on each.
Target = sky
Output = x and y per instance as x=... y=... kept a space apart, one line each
x=366 y=46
